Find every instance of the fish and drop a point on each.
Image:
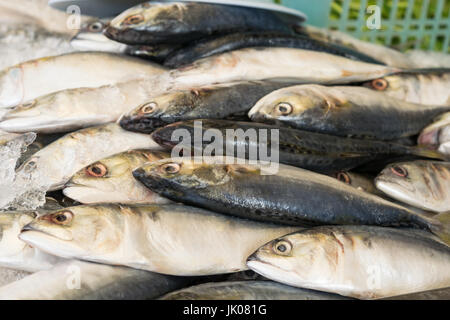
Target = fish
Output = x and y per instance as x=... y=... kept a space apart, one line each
x=231 y=100
x=18 y=85
x=40 y=142
x=110 y=180
x=344 y=111
x=56 y=163
x=436 y=136
x=309 y=150
x=16 y=254
x=286 y=64
x=422 y=183
x=152 y=23
x=79 y=280
x=389 y=56
x=91 y=38
x=364 y=262
x=169 y=239
x=77 y=108
x=247 y=290
x=217 y=45
x=421 y=86
x=276 y=193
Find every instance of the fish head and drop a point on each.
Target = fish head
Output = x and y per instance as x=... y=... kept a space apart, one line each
x=12 y=89
x=148 y=17
x=91 y=38
x=305 y=103
x=32 y=115
x=172 y=177
x=296 y=258
x=10 y=225
x=106 y=179
x=76 y=231
x=157 y=112
x=416 y=183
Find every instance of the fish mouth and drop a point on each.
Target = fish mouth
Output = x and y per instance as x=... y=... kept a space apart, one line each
x=141 y=124
x=150 y=181
x=30 y=228
x=429 y=138
x=49 y=244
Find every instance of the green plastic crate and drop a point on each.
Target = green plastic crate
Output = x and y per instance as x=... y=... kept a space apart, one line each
x=405 y=24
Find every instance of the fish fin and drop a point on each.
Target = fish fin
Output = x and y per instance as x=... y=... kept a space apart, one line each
x=427 y=153
x=440 y=226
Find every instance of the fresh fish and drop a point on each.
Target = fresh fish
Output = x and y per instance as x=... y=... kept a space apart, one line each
x=208 y=47
x=344 y=111
x=423 y=184
x=437 y=135
x=168 y=239
x=59 y=161
x=359 y=181
x=152 y=23
x=91 y=38
x=422 y=86
x=357 y=261
x=110 y=180
x=309 y=150
x=287 y=64
x=247 y=290
x=290 y=196
x=78 y=280
x=73 y=109
x=211 y=102
x=19 y=84
x=15 y=253
x=382 y=53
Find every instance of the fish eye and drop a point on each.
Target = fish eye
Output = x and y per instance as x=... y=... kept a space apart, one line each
x=97 y=170
x=284 y=108
x=344 y=177
x=134 y=19
x=149 y=107
x=95 y=27
x=63 y=217
x=282 y=247
x=399 y=171
x=379 y=84
x=170 y=168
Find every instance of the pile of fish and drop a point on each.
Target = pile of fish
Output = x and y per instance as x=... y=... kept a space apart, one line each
x=102 y=200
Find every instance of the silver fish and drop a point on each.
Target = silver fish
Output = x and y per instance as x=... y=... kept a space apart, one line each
x=73 y=109
x=288 y=64
x=56 y=163
x=168 y=239
x=356 y=261
x=18 y=84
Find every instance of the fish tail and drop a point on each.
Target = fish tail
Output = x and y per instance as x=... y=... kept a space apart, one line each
x=427 y=153
x=440 y=226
